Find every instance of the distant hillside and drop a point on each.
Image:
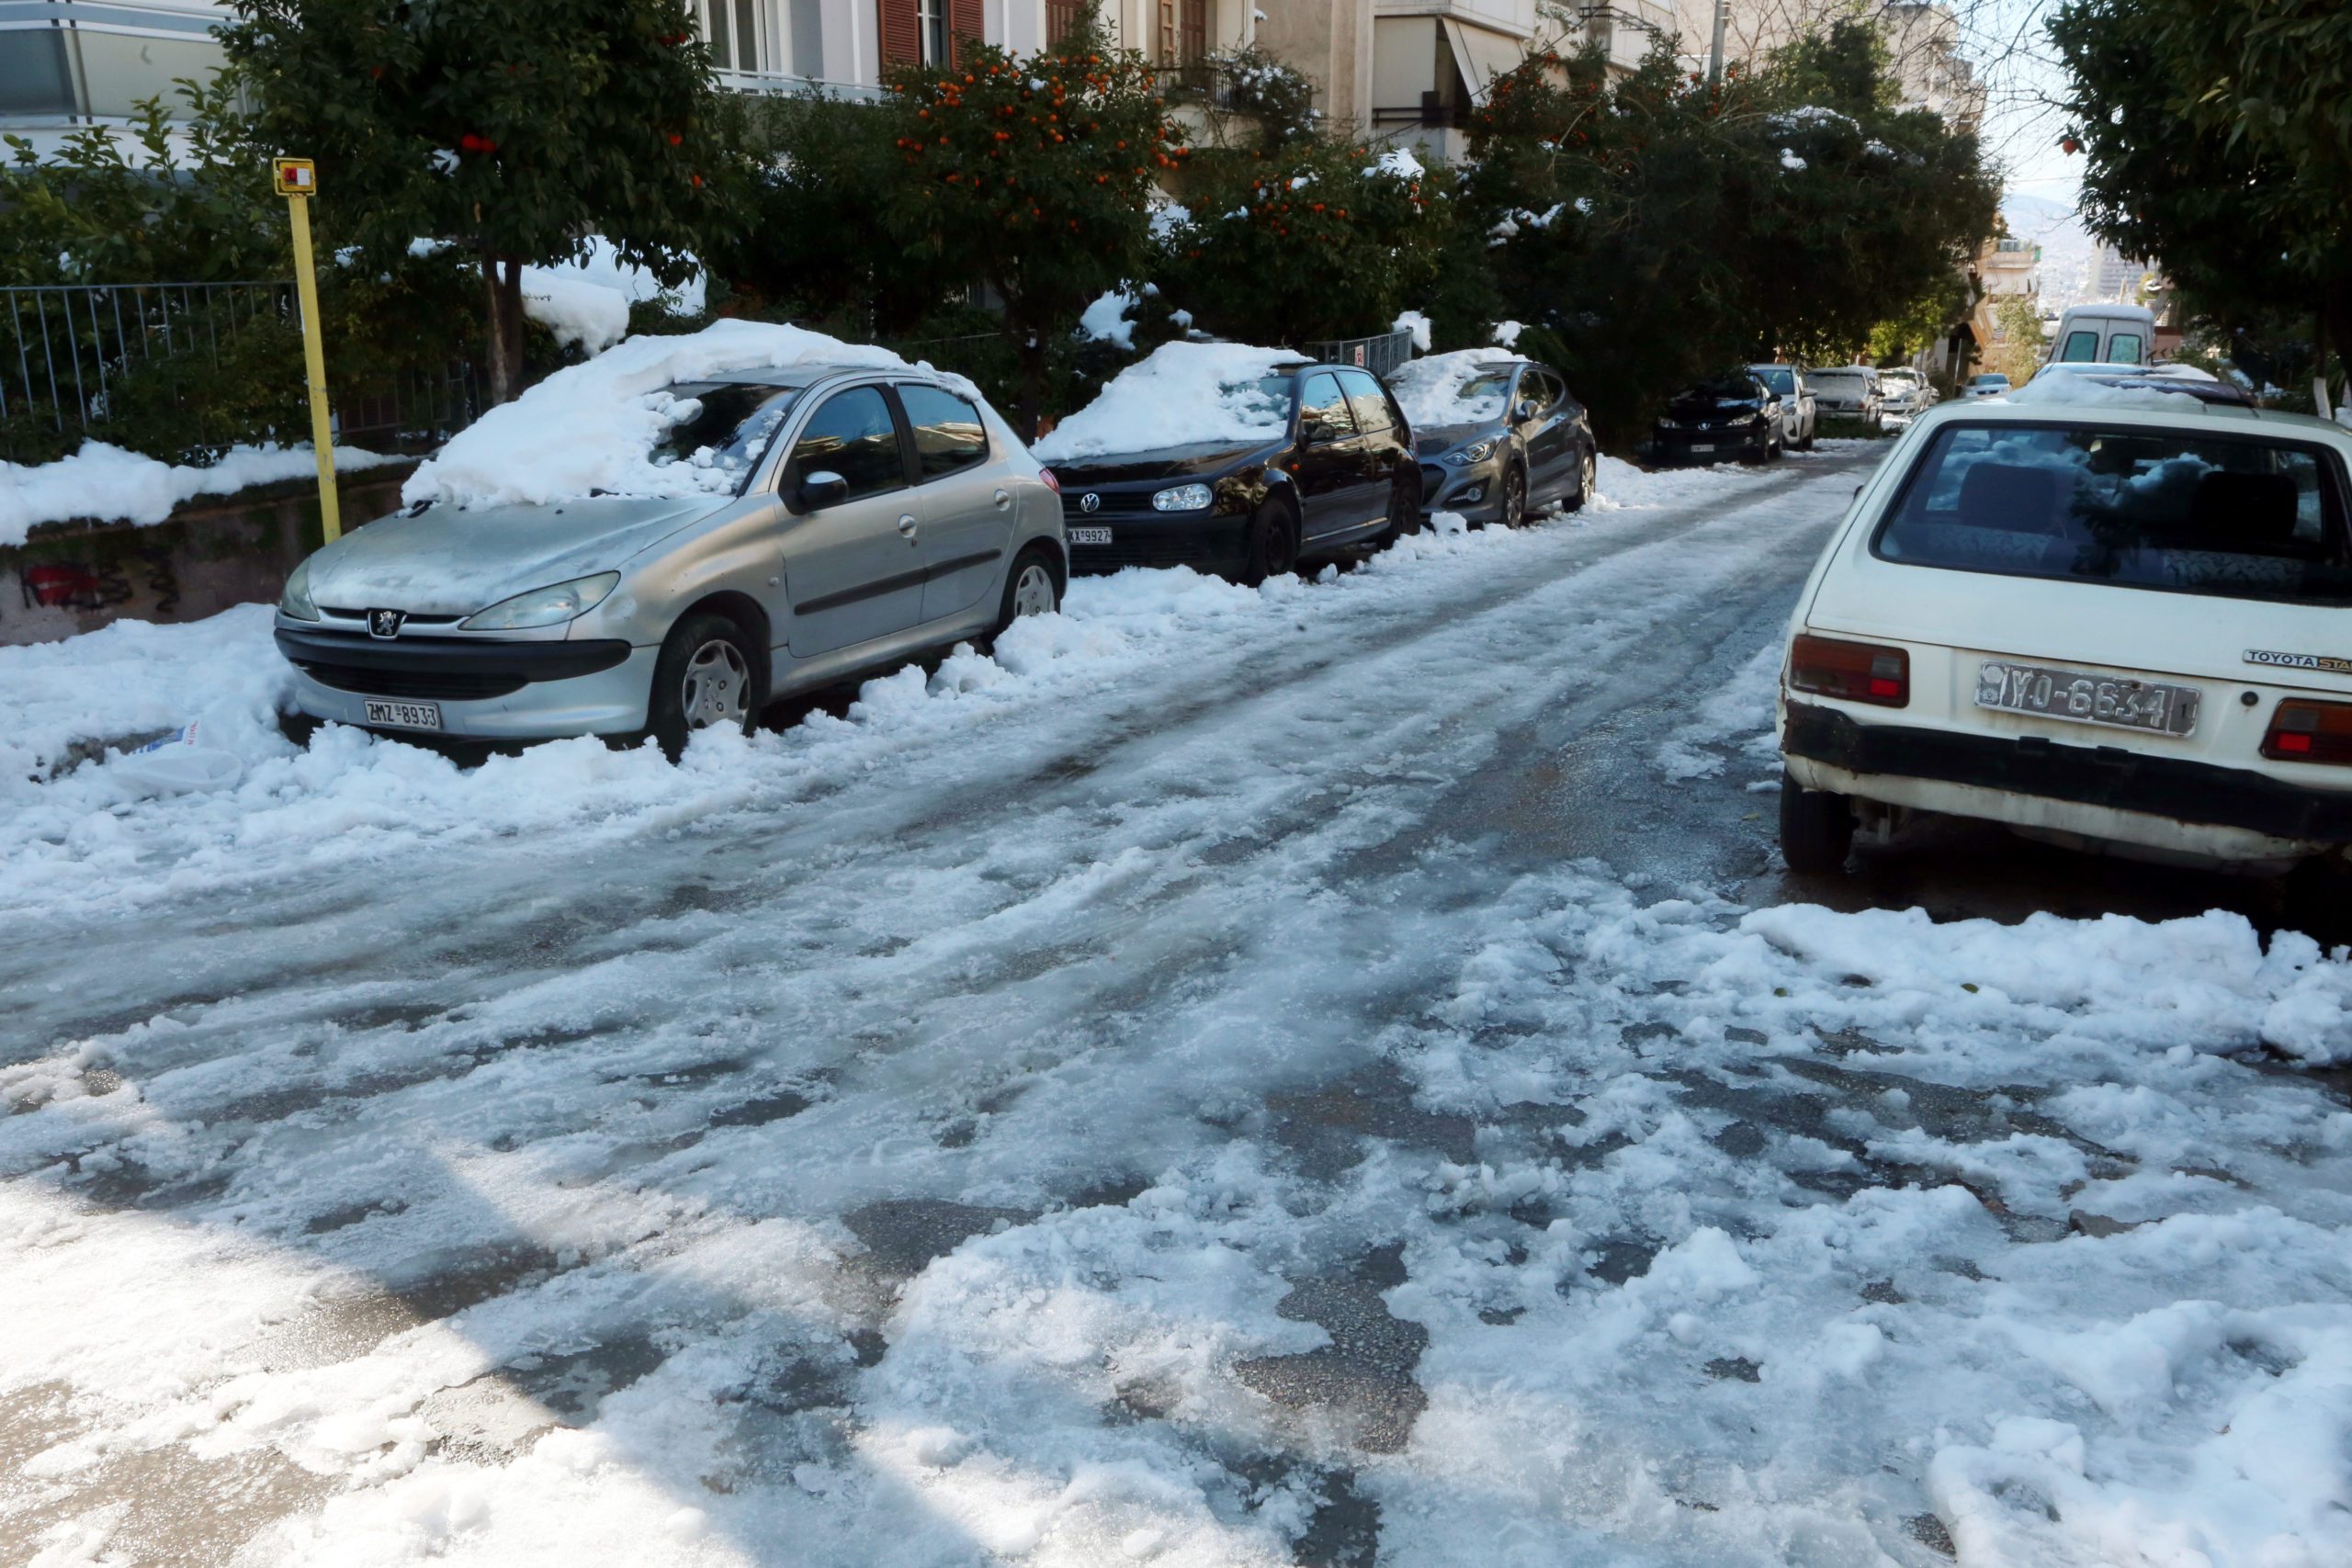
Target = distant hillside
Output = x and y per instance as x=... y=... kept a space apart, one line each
x=2069 y=254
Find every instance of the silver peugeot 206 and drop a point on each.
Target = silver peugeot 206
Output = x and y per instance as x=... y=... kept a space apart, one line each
x=862 y=515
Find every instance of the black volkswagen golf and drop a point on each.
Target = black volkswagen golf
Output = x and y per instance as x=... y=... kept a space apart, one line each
x=1333 y=467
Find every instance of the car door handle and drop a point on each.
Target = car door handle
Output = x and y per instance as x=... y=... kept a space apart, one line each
x=907 y=525
x=1002 y=500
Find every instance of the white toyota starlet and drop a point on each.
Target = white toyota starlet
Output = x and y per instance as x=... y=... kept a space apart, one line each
x=2114 y=618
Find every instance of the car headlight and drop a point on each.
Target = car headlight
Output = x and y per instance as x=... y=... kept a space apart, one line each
x=296 y=601
x=1181 y=498
x=1669 y=424
x=549 y=607
x=1477 y=452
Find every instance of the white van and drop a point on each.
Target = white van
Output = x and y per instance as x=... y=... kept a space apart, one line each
x=2121 y=621
x=2105 y=333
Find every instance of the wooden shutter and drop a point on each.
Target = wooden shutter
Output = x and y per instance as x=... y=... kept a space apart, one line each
x=899 y=32
x=963 y=26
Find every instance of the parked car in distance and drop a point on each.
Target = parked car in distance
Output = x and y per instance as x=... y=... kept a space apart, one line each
x=861 y=515
x=1310 y=457
x=1497 y=437
x=1847 y=391
x=1992 y=384
x=1800 y=411
x=2108 y=625
x=1731 y=415
x=2104 y=334
x=1904 y=396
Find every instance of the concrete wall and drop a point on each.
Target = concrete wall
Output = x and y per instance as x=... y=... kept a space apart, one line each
x=1330 y=40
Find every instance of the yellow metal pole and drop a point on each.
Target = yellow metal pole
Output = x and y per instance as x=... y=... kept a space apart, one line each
x=314 y=362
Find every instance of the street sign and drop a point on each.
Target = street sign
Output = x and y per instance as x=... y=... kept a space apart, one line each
x=297 y=180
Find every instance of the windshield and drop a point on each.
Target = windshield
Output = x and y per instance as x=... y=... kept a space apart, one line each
x=1739 y=386
x=1262 y=400
x=1992 y=380
x=1839 y=374
x=725 y=427
x=1779 y=378
x=2184 y=510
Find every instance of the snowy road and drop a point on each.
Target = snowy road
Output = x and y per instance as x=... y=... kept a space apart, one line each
x=1239 y=1077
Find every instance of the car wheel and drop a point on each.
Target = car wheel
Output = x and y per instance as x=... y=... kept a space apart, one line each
x=1513 y=510
x=1806 y=444
x=1772 y=452
x=1274 y=543
x=1588 y=480
x=707 y=675
x=1404 y=509
x=1816 y=830
x=1031 y=588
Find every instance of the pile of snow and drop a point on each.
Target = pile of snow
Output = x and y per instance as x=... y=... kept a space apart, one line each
x=1396 y=163
x=1435 y=392
x=2087 y=391
x=1506 y=333
x=108 y=484
x=586 y=301
x=1109 y=319
x=1417 y=325
x=1182 y=394
x=595 y=426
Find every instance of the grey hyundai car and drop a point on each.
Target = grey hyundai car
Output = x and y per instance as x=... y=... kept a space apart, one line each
x=1513 y=442
x=863 y=515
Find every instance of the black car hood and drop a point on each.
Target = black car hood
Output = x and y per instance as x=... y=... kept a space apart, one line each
x=1199 y=461
x=1691 y=405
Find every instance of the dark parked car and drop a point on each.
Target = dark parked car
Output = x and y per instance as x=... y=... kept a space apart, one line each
x=1733 y=414
x=1333 y=465
x=1497 y=438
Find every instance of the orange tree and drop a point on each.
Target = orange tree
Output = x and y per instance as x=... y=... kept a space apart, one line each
x=1320 y=237
x=1034 y=172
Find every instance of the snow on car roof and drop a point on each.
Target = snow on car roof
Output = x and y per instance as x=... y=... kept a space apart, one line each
x=1183 y=394
x=1434 y=392
x=595 y=426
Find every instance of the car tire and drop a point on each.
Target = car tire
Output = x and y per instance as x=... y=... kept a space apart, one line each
x=1033 y=587
x=1773 y=453
x=1588 y=480
x=1806 y=444
x=1511 y=511
x=1274 y=543
x=1816 y=830
x=1404 y=510
x=707 y=675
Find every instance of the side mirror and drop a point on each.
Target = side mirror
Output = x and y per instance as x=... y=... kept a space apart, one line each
x=1525 y=411
x=822 y=489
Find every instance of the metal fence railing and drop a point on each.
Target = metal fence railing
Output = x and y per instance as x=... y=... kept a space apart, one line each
x=68 y=346
x=1381 y=355
x=77 y=359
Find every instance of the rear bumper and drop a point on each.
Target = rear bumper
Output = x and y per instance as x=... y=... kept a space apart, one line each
x=2101 y=792
x=1210 y=543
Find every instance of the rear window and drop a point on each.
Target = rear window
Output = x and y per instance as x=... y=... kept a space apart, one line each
x=2186 y=512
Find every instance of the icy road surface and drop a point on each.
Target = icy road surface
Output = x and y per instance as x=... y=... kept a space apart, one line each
x=1239 y=1077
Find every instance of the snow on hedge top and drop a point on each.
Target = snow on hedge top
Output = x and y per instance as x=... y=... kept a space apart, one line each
x=595 y=426
x=1453 y=389
x=1183 y=394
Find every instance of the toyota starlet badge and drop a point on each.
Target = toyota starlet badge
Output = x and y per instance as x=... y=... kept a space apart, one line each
x=2328 y=662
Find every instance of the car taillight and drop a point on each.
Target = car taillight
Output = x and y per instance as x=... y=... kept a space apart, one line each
x=2310 y=732
x=1856 y=671
x=1051 y=483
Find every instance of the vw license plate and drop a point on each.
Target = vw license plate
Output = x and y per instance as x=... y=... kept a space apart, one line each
x=406 y=716
x=1089 y=535
x=2086 y=699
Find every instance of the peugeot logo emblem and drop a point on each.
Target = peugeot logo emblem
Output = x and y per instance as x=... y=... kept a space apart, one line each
x=385 y=623
x=1090 y=502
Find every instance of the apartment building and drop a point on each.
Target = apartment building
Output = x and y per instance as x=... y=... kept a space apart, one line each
x=71 y=62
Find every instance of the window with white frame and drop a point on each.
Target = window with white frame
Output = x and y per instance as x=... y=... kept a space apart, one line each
x=931 y=22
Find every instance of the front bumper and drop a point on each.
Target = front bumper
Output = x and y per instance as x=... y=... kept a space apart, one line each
x=1474 y=492
x=2094 y=792
x=486 y=688
x=1204 y=541
x=1706 y=445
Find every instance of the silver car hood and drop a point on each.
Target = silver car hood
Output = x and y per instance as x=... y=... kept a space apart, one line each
x=445 y=562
